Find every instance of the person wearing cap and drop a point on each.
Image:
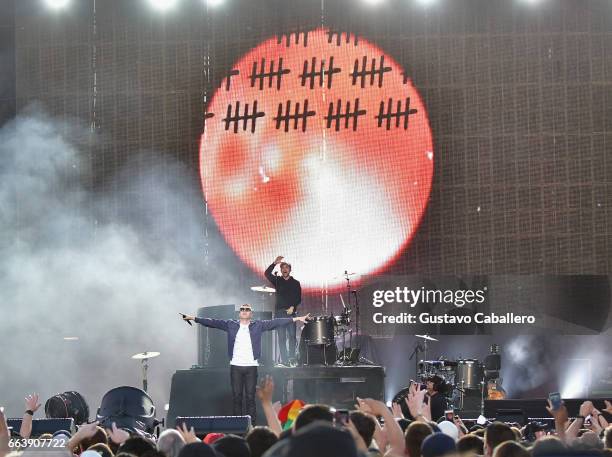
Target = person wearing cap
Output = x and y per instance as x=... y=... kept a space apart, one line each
x=438 y=445
x=288 y=297
x=244 y=351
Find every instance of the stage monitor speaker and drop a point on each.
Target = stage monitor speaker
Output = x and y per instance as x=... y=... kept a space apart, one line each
x=212 y=342
x=236 y=425
x=511 y=415
x=41 y=426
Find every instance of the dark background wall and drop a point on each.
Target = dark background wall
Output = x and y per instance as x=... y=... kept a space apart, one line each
x=519 y=98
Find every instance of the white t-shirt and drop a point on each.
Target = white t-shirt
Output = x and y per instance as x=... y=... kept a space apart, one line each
x=243 y=349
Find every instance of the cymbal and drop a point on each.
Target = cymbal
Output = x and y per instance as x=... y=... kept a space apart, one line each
x=264 y=289
x=346 y=275
x=426 y=337
x=145 y=355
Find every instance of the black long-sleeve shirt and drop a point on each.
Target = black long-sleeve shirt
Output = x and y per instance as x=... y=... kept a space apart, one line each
x=288 y=291
x=438 y=406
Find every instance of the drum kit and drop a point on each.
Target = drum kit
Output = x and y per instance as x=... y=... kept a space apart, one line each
x=319 y=332
x=464 y=377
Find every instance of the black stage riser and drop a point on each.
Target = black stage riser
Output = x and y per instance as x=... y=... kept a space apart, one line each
x=207 y=391
x=535 y=407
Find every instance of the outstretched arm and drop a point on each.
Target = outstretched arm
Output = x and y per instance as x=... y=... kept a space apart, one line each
x=279 y=322
x=221 y=324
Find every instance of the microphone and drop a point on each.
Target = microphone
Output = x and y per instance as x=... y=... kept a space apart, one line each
x=184 y=316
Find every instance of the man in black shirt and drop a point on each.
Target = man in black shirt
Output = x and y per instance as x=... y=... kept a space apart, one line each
x=436 y=388
x=288 y=297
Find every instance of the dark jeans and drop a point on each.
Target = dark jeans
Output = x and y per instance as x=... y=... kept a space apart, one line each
x=244 y=379
x=286 y=335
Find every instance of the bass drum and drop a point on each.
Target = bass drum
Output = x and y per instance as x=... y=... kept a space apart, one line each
x=469 y=374
x=319 y=331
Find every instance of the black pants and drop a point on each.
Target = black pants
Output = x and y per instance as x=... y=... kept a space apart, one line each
x=286 y=335
x=244 y=379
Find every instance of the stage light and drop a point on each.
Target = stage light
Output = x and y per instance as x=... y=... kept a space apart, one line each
x=57 y=4
x=130 y=408
x=373 y=2
x=577 y=382
x=68 y=405
x=425 y=2
x=163 y=5
x=213 y=3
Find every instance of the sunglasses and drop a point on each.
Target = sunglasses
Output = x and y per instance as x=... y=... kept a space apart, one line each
x=244 y=308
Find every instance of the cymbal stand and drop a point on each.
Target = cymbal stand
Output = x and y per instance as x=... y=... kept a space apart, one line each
x=356 y=314
x=482 y=395
x=145 y=367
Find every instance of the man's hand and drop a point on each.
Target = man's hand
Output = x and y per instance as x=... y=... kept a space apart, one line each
x=187 y=317
x=416 y=401
x=359 y=442
x=188 y=435
x=31 y=403
x=117 y=435
x=396 y=409
x=84 y=431
x=585 y=408
x=378 y=408
x=608 y=407
x=87 y=430
x=265 y=390
x=363 y=406
x=302 y=319
x=460 y=425
x=278 y=260
x=561 y=415
x=290 y=310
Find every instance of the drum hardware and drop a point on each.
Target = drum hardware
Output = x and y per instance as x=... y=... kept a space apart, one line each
x=420 y=348
x=263 y=289
x=482 y=396
x=344 y=326
x=144 y=359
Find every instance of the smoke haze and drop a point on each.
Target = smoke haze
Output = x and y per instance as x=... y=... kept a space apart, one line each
x=115 y=281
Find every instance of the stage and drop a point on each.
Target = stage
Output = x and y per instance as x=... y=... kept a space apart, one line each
x=207 y=391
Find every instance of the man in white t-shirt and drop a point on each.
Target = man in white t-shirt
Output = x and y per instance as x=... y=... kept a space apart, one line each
x=244 y=350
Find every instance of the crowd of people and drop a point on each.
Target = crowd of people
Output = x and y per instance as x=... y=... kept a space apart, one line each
x=370 y=430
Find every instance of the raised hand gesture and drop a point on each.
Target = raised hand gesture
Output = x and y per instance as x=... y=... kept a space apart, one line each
x=188 y=435
x=117 y=435
x=31 y=403
x=266 y=389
